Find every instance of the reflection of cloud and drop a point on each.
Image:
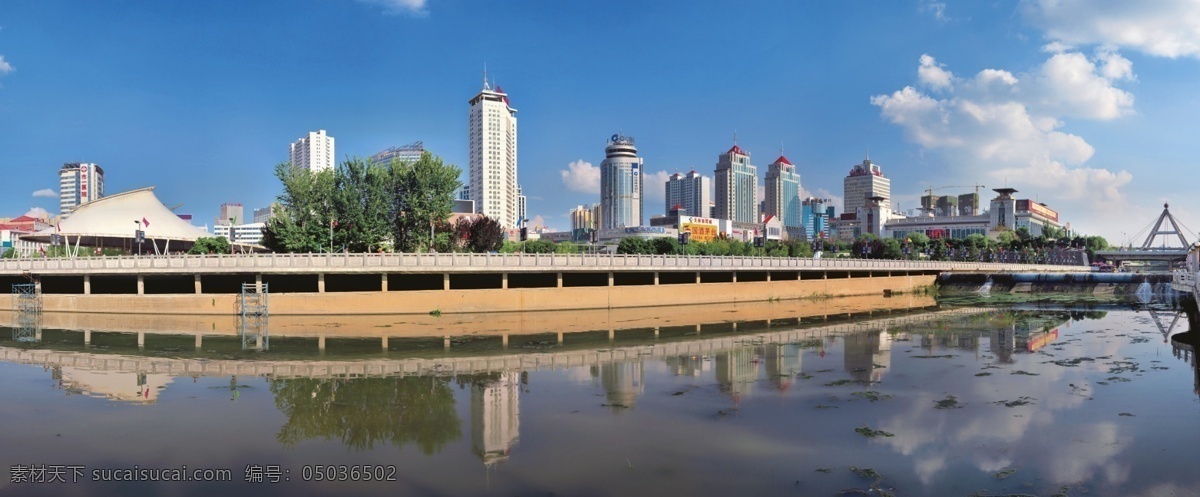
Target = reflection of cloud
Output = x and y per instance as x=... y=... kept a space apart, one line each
x=1042 y=436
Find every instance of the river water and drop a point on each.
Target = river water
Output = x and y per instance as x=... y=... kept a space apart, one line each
x=943 y=399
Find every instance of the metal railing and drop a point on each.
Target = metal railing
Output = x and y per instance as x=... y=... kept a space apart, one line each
x=467 y=262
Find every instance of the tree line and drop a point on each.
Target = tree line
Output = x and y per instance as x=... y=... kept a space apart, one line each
x=364 y=206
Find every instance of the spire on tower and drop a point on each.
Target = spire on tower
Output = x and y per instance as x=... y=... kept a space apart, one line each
x=485 y=80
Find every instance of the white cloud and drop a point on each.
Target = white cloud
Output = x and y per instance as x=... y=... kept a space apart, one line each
x=1074 y=86
x=1057 y=47
x=415 y=8
x=5 y=67
x=38 y=212
x=45 y=192
x=581 y=176
x=936 y=9
x=932 y=75
x=1164 y=28
x=654 y=188
x=999 y=127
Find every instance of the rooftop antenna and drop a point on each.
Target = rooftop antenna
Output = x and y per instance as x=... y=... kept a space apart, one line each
x=485 y=83
x=735 y=137
x=868 y=152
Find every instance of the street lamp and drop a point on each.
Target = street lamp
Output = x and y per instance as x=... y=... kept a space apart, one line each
x=232 y=236
x=139 y=235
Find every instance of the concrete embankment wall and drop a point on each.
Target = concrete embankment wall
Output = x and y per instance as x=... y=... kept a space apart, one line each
x=613 y=296
x=1117 y=284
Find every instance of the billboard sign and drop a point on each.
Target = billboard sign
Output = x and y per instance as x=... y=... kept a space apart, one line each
x=1039 y=209
x=702 y=229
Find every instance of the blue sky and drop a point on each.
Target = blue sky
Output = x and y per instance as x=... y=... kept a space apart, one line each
x=1085 y=105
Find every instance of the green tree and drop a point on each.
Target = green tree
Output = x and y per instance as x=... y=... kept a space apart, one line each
x=423 y=193
x=1022 y=233
x=304 y=216
x=634 y=245
x=539 y=246
x=210 y=245
x=566 y=248
x=666 y=245
x=362 y=205
x=919 y=241
x=890 y=249
x=485 y=235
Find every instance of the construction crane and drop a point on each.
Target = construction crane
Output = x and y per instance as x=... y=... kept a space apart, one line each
x=975 y=208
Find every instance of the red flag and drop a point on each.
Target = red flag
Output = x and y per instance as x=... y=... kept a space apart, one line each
x=145 y=222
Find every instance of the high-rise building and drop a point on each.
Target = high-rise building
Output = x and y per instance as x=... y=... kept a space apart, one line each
x=581 y=219
x=865 y=180
x=313 y=151
x=816 y=214
x=783 y=195
x=737 y=187
x=464 y=193
x=228 y=212
x=492 y=135
x=597 y=216
x=405 y=153
x=621 y=184
x=522 y=211
x=78 y=184
x=263 y=215
x=693 y=193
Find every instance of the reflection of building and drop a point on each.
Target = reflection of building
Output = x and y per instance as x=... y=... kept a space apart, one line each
x=783 y=364
x=622 y=382
x=1003 y=341
x=737 y=371
x=864 y=351
x=691 y=365
x=495 y=417
x=140 y=388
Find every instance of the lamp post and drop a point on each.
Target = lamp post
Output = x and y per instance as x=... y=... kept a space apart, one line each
x=232 y=236
x=138 y=235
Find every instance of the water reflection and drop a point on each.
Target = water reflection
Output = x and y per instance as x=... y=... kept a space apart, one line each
x=363 y=412
x=1053 y=397
x=495 y=414
x=623 y=382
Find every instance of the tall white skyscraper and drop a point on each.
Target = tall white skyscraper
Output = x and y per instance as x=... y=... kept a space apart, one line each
x=620 y=184
x=865 y=180
x=737 y=187
x=313 y=151
x=78 y=184
x=692 y=192
x=493 y=155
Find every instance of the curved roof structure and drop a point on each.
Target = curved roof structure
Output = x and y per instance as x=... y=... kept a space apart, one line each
x=113 y=220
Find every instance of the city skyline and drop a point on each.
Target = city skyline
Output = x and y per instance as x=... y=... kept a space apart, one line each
x=1088 y=120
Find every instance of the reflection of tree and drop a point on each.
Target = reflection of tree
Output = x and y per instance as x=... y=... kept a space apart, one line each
x=360 y=412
